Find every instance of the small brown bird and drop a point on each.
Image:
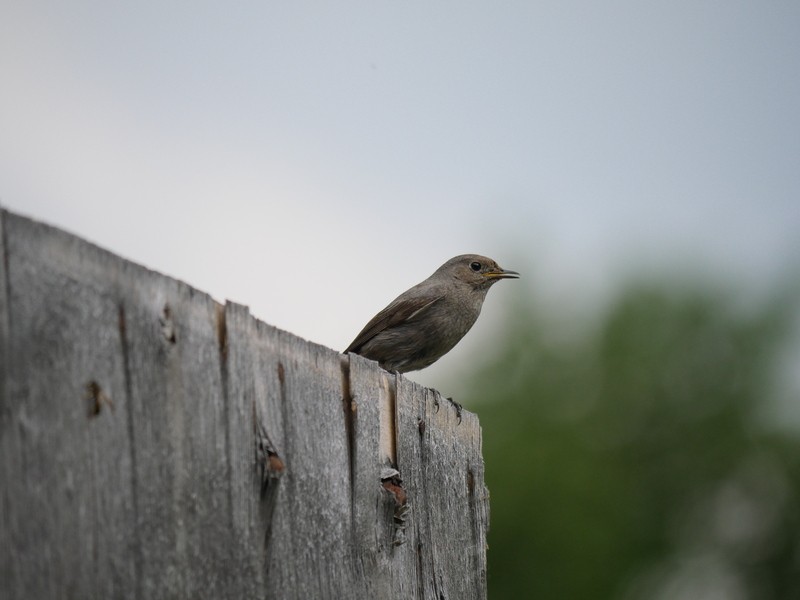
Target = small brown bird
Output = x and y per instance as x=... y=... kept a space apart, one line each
x=424 y=323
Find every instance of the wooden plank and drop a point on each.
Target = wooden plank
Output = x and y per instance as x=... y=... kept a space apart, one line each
x=254 y=415
x=87 y=312
x=8 y=443
x=4 y=338
x=314 y=498
x=179 y=424
x=369 y=400
x=443 y=473
x=300 y=519
x=263 y=515
x=67 y=478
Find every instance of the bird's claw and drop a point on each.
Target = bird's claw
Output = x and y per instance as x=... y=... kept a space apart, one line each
x=458 y=408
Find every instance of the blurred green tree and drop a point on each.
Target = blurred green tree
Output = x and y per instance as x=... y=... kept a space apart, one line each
x=631 y=460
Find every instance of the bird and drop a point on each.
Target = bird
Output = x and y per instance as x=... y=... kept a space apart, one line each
x=426 y=321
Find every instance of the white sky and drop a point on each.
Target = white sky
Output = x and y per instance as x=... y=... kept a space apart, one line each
x=312 y=160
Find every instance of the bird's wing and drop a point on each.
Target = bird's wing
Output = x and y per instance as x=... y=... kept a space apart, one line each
x=398 y=312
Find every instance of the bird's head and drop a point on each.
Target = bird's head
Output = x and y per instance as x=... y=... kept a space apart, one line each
x=478 y=271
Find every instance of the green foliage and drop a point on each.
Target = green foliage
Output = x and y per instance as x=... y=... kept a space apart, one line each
x=631 y=461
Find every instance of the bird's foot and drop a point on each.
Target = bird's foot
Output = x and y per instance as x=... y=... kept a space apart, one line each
x=458 y=408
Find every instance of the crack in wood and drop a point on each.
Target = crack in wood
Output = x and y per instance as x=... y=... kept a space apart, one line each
x=222 y=332
x=271 y=468
x=349 y=407
x=126 y=365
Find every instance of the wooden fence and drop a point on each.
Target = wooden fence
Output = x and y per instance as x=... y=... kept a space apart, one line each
x=157 y=444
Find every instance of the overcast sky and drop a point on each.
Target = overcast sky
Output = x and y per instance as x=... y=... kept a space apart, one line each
x=313 y=159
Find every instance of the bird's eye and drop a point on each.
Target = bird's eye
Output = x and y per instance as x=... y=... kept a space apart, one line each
x=476 y=266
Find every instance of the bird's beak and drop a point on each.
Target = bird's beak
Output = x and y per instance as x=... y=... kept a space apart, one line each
x=501 y=274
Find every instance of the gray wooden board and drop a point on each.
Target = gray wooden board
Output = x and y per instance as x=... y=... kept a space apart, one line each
x=67 y=477
x=248 y=523
x=4 y=341
x=179 y=427
x=315 y=491
x=160 y=493
x=375 y=556
x=8 y=570
x=443 y=471
x=296 y=394
x=274 y=526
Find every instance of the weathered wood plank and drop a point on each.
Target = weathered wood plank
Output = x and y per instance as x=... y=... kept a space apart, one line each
x=256 y=361
x=65 y=440
x=8 y=564
x=4 y=333
x=370 y=400
x=316 y=487
x=179 y=426
x=305 y=515
x=443 y=473
x=252 y=499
